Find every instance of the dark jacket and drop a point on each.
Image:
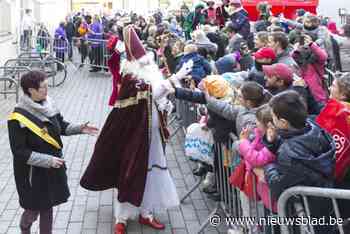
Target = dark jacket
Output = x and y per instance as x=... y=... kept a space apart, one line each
x=38 y=187
x=304 y=157
x=201 y=67
x=70 y=30
x=240 y=22
x=220 y=126
x=220 y=41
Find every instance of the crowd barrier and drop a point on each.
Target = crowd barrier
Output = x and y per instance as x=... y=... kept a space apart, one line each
x=333 y=195
x=9 y=75
x=90 y=52
x=237 y=208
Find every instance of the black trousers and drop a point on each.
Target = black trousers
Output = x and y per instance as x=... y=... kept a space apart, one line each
x=97 y=57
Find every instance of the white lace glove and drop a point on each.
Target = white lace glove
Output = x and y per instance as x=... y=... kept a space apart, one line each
x=165 y=104
x=120 y=47
x=181 y=74
x=162 y=89
x=184 y=71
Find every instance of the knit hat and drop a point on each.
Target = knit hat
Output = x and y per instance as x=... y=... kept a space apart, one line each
x=226 y=64
x=265 y=53
x=200 y=5
x=217 y=86
x=280 y=70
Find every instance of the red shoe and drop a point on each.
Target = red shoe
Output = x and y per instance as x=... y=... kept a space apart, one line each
x=155 y=224
x=119 y=228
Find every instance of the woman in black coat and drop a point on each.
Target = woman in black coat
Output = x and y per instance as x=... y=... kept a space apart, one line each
x=35 y=129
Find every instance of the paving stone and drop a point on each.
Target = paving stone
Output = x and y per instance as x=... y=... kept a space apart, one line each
x=74 y=228
x=90 y=220
x=105 y=214
x=179 y=231
x=192 y=226
x=134 y=226
x=78 y=213
x=199 y=204
x=59 y=231
x=104 y=228
x=62 y=220
x=4 y=225
x=188 y=212
x=179 y=183
x=90 y=231
x=66 y=206
x=176 y=219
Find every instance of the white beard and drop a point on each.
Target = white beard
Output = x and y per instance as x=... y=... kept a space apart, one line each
x=144 y=68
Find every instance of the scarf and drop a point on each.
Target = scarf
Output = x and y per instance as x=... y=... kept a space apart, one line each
x=42 y=111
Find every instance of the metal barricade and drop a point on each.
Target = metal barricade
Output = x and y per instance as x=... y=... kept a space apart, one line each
x=186 y=114
x=236 y=207
x=55 y=70
x=304 y=192
x=93 y=53
x=11 y=74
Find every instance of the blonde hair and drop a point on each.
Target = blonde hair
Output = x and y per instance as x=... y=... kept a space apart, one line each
x=190 y=48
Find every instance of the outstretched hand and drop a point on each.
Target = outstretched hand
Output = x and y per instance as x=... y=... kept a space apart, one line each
x=184 y=70
x=90 y=130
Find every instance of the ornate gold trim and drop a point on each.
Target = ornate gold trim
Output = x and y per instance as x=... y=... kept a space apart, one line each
x=131 y=101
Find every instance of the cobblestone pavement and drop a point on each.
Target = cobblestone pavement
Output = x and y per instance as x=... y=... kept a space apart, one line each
x=82 y=98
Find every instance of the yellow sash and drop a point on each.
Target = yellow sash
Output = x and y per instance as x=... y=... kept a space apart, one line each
x=41 y=132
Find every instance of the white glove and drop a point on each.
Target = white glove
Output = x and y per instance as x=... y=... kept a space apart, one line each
x=185 y=70
x=120 y=47
x=162 y=89
x=165 y=105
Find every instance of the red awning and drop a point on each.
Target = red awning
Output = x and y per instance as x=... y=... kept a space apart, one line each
x=287 y=7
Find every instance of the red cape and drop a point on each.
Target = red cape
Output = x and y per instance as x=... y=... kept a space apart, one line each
x=120 y=157
x=114 y=67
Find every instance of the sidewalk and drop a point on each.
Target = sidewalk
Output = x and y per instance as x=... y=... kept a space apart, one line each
x=82 y=98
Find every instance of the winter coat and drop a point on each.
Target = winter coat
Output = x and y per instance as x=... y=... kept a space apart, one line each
x=234 y=44
x=221 y=16
x=344 y=50
x=60 y=43
x=39 y=186
x=220 y=40
x=286 y=58
x=190 y=25
x=305 y=157
x=95 y=37
x=210 y=15
x=255 y=154
x=220 y=126
x=201 y=67
x=43 y=38
x=257 y=76
x=70 y=31
x=240 y=22
x=313 y=73
x=239 y=114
